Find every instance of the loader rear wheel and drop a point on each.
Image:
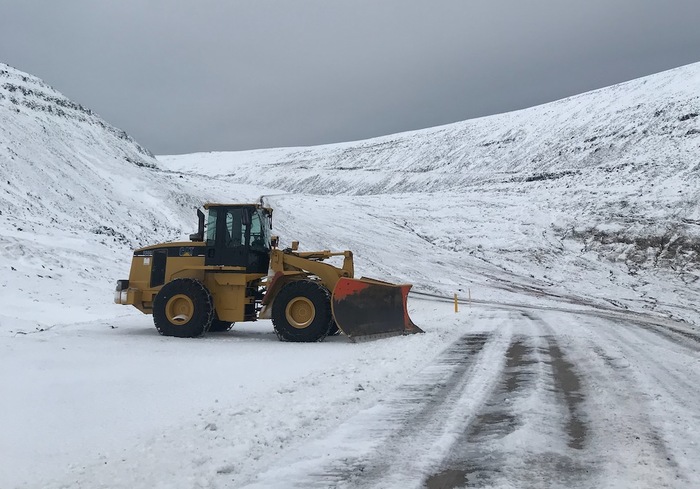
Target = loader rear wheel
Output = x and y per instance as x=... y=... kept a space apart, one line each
x=302 y=312
x=183 y=308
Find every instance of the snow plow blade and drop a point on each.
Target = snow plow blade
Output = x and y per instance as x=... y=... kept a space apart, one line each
x=366 y=308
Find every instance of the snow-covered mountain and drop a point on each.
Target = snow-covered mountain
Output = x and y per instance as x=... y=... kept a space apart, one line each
x=596 y=194
x=75 y=195
x=589 y=204
x=593 y=198
x=617 y=165
x=63 y=165
x=649 y=124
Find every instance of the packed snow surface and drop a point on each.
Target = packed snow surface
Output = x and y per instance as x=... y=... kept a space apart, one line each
x=570 y=233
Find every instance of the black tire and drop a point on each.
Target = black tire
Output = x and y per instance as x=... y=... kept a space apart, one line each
x=183 y=308
x=334 y=330
x=219 y=326
x=302 y=312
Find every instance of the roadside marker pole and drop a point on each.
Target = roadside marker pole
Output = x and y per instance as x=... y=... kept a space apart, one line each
x=456 y=303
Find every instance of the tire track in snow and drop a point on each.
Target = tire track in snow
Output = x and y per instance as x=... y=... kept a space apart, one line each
x=394 y=443
x=567 y=383
x=570 y=400
x=468 y=464
x=652 y=437
x=531 y=431
x=686 y=339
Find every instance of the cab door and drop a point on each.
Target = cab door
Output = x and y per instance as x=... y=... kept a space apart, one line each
x=227 y=236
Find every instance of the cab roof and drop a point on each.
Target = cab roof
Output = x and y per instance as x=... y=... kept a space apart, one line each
x=209 y=205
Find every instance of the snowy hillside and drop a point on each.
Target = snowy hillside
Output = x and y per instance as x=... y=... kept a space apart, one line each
x=570 y=232
x=76 y=194
x=644 y=129
x=608 y=180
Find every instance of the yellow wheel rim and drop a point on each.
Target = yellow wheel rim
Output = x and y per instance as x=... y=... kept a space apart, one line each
x=300 y=312
x=179 y=309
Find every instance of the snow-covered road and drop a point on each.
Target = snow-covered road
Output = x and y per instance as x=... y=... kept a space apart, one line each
x=525 y=399
x=490 y=397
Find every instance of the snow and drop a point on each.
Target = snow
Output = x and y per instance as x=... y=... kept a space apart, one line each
x=90 y=388
x=570 y=232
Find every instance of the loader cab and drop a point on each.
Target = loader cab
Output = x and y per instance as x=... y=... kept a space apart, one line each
x=238 y=235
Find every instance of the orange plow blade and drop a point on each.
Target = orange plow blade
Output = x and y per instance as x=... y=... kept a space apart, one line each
x=366 y=308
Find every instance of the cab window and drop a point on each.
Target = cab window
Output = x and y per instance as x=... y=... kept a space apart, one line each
x=259 y=232
x=235 y=228
x=211 y=227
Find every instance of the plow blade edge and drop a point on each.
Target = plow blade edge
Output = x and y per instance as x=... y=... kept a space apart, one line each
x=366 y=308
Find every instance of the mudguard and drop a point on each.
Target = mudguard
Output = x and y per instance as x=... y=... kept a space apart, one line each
x=366 y=308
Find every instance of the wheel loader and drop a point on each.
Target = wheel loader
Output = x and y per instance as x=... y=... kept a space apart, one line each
x=232 y=271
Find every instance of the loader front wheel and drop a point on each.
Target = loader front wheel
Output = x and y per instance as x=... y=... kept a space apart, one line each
x=334 y=330
x=302 y=312
x=183 y=308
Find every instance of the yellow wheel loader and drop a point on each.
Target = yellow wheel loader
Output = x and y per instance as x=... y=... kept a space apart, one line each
x=232 y=271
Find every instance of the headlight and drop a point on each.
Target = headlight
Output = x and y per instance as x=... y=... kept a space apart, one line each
x=121 y=292
x=121 y=296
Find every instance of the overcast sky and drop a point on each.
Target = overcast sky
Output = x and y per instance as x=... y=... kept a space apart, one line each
x=205 y=75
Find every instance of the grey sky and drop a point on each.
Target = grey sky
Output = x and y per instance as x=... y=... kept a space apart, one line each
x=186 y=76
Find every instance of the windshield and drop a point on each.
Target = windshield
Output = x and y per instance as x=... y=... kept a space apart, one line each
x=240 y=226
x=260 y=231
x=211 y=227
